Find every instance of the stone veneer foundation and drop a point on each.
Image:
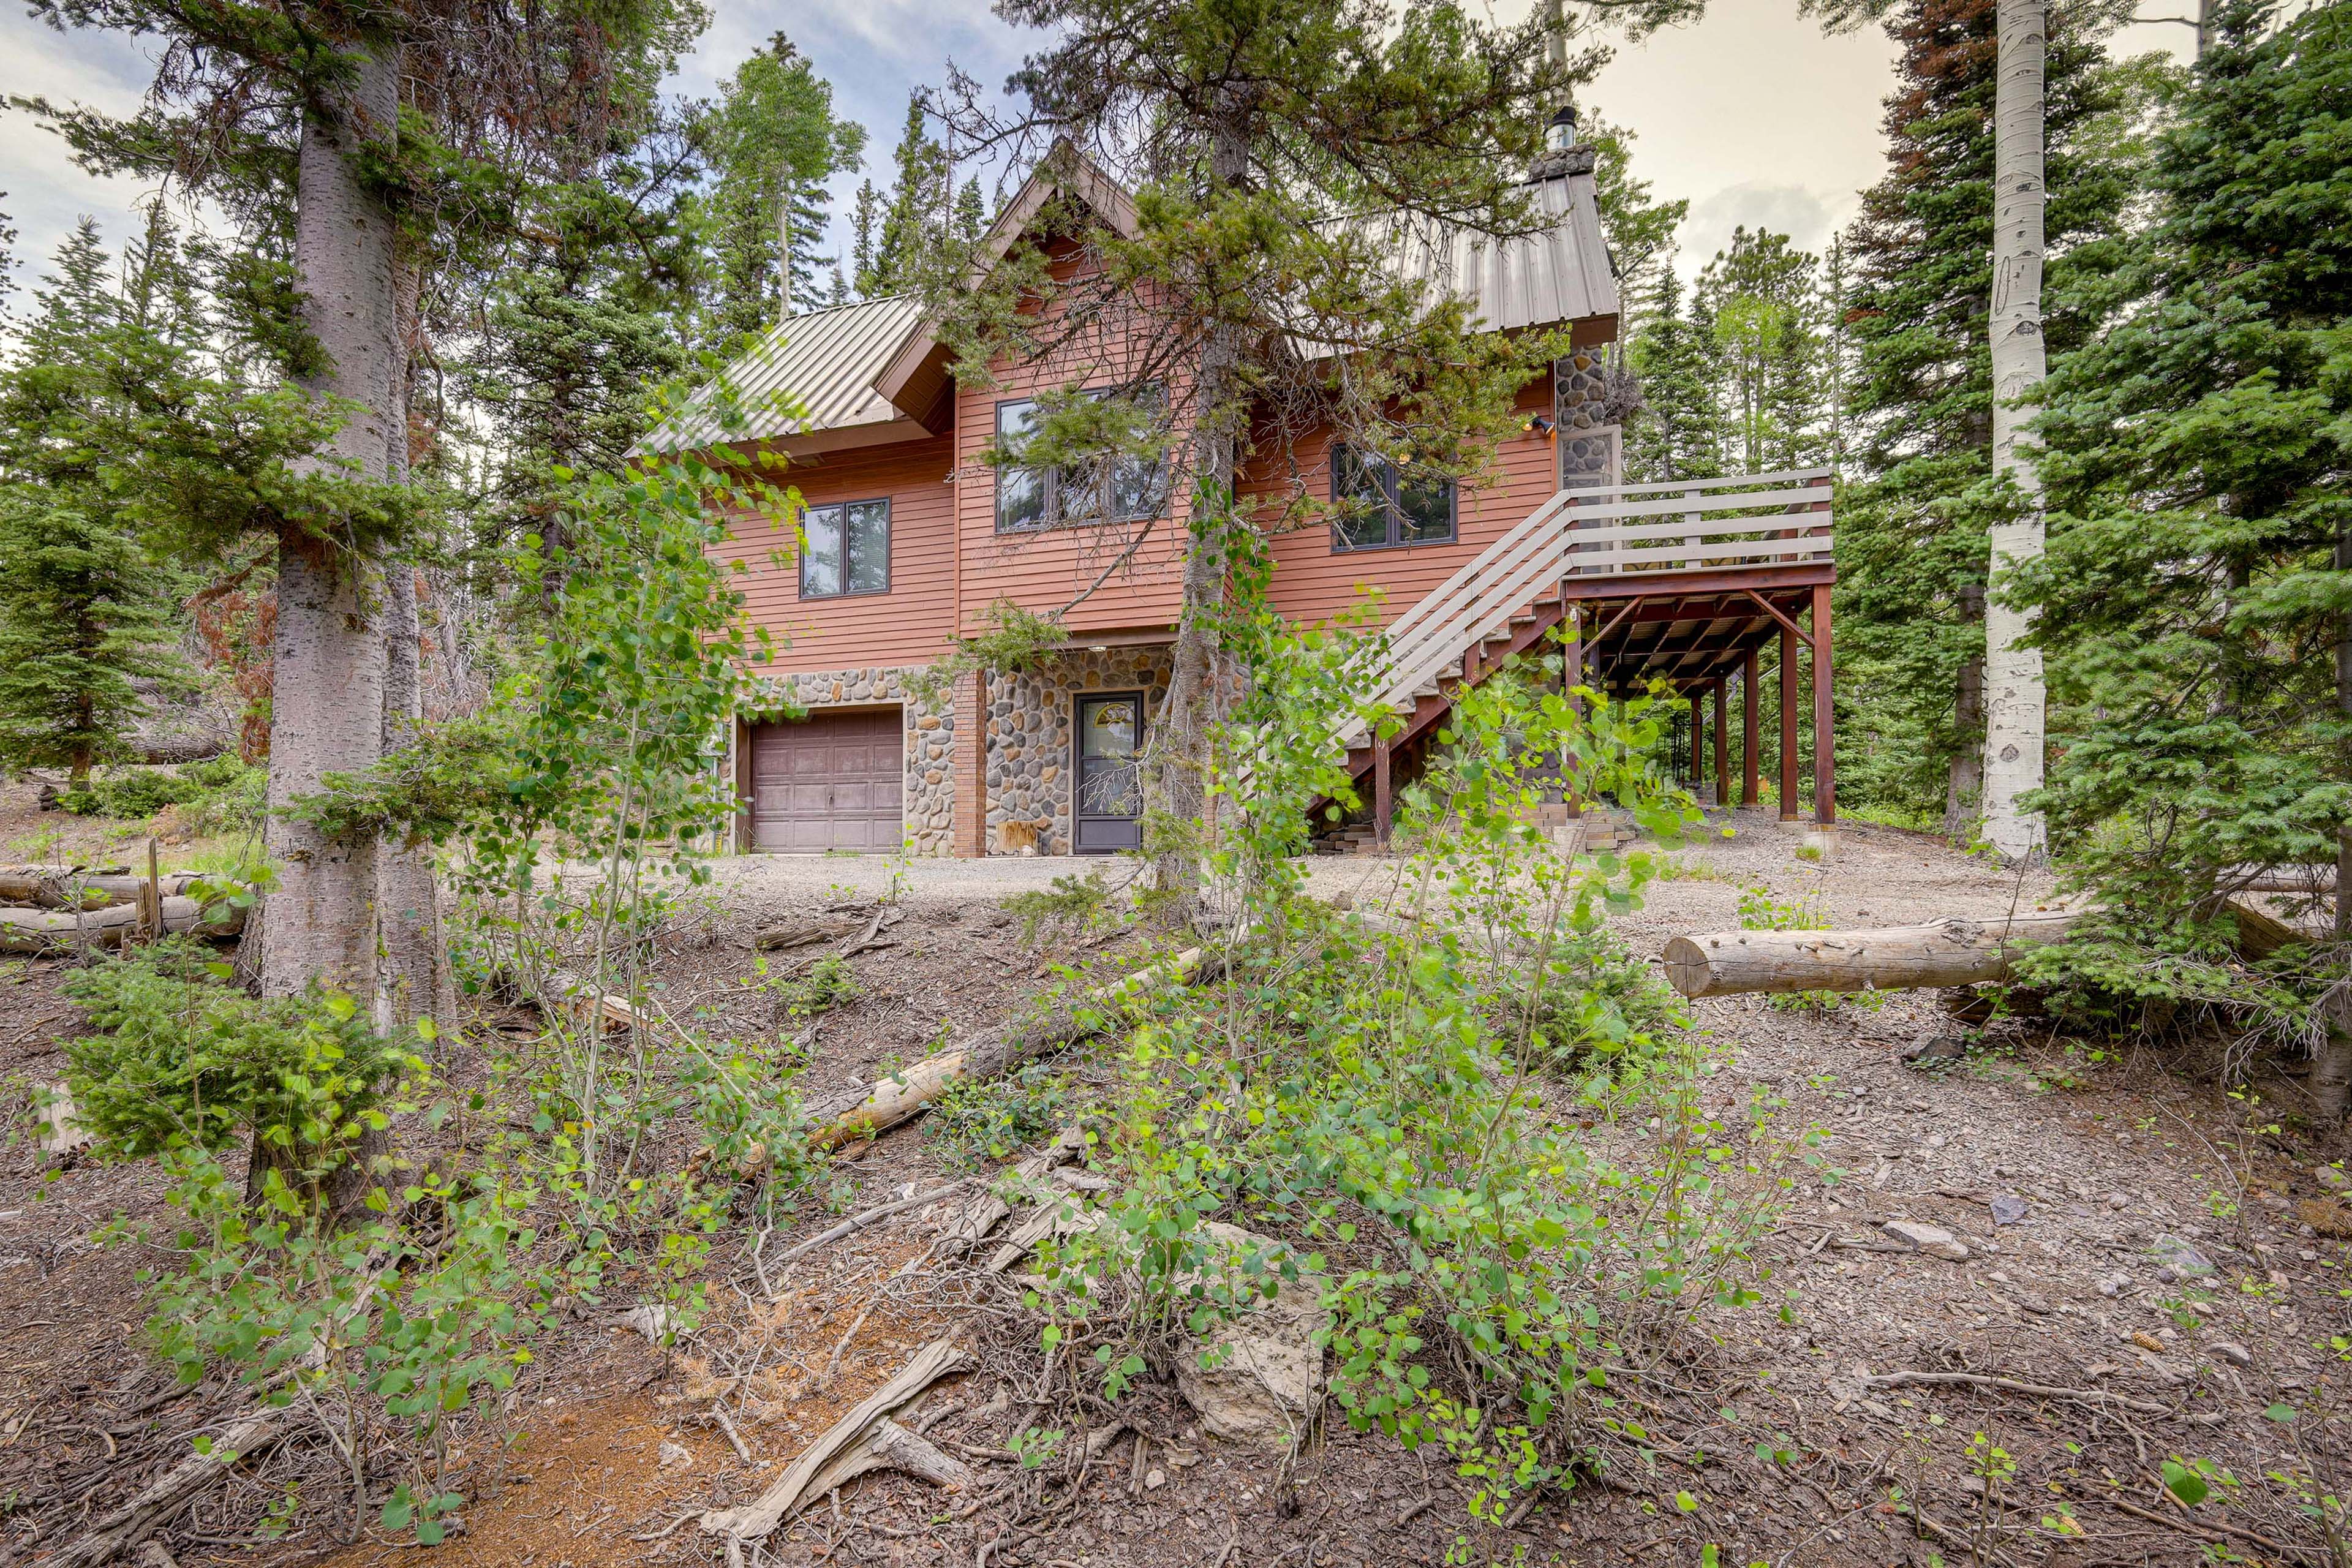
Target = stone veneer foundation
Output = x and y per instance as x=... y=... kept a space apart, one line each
x=1029 y=720
x=929 y=738
x=1031 y=723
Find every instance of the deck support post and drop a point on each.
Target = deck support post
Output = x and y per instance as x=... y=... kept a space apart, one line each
x=1750 y=790
x=1722 y=744
x=1824 y=717
x=1383 y=798
x=1789 y=812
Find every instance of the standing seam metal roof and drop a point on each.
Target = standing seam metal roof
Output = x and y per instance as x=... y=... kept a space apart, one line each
x=827 y=359
x=831 y=359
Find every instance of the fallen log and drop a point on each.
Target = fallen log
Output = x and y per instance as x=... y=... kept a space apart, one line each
x=989 y=1053
x=62 y=931
x=131 y=1523
x=64 y=890
x=758 y=1520
x=1956 y=951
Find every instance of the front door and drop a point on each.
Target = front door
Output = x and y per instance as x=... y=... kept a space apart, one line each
x=1109 y=815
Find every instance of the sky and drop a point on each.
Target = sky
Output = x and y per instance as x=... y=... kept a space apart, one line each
x=1753 y=114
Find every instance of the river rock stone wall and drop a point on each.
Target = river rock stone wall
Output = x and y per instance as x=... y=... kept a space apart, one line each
x=1031 y=727
x=930 y=737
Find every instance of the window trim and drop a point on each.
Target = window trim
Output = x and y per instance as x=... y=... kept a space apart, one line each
x=1051 y=475
x=1392 y=510
x=889 y=565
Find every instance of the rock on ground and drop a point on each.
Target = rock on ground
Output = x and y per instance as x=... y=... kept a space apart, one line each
x=1263 y=1385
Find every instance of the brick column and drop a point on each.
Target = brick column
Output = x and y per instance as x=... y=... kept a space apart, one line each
x=971 y=759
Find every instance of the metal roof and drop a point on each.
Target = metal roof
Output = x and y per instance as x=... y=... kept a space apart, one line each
x=830 y=359
x=827 y=361
x=1560 y=273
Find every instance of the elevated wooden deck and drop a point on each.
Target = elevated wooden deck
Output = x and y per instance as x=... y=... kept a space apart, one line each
x=1685 y=581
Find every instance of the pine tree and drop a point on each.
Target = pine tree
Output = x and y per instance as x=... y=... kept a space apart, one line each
x=1640 y=230
x=2196 y=599
x=1912 y=540
x=84 y=613
x=1243 y=131
x=351 y=145
x=1677 y=433
x=772 y=141
x=1759 y=298
x=81 y=622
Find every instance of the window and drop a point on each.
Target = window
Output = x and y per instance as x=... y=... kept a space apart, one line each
x=846 y=549
x=1118 y=488
x=1382 y=507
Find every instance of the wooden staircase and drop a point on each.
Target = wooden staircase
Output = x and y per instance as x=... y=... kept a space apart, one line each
x=1582 y=545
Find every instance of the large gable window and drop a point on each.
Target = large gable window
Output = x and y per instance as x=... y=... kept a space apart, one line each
x=1379 y=506
x=846 y=549
x=1117 y=487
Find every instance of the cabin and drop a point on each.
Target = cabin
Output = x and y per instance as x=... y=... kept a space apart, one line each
x=906 y=538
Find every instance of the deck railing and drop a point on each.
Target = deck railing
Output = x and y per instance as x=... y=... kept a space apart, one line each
x=1646 y=530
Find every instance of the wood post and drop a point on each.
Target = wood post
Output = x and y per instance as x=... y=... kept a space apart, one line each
x=1722 y=744
x=1383 y=798
x=1788 y=725
x=1750 y=785
x=1824 y=717
x=740 y=742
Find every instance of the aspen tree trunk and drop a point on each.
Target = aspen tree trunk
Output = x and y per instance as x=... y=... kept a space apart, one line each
x=327 y=701
x=2013 y=694
x=411 y=980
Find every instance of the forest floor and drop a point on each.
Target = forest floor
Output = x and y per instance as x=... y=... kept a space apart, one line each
x=2093 y=1363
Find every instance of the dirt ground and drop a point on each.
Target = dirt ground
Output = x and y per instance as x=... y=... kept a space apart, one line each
x=2066 y=1336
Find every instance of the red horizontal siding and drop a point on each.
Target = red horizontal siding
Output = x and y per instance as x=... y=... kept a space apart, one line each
x=1314 y=583
x=913 y=622
x=1043 y=572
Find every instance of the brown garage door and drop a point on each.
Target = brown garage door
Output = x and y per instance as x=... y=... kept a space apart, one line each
x=834 y=781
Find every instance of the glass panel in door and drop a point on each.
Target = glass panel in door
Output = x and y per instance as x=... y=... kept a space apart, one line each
x=1109 y=784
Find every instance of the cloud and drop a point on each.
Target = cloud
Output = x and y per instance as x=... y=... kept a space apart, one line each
x=47 y=191
x=1804 y=215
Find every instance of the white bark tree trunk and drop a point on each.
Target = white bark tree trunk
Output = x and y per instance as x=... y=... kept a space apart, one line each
x=414 y=979
x=2013 y=689
x=327 y=700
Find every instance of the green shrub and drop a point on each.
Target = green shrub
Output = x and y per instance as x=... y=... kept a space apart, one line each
x=1594 y=999
x=180 y=1055
x=979 y=1119
x=828 y=984
x=222 y=795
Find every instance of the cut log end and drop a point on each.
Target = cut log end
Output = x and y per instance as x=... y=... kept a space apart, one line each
x=1686 y=967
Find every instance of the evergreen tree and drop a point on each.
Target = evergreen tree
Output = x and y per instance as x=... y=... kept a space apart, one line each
x=1243 y=131
x=1640 y=230
x=2196 y=599
x=1759 y=300
x=1677 y=432
x=366 y=137
x=1913 y=538
x=584 y=320
x=81 y=622
x=772 y=141
x=921 y=205
x=84 y=613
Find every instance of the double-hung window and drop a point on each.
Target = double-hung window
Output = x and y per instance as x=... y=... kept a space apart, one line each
x=1119 y=486
x=846 y=549
x=1379 y=506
